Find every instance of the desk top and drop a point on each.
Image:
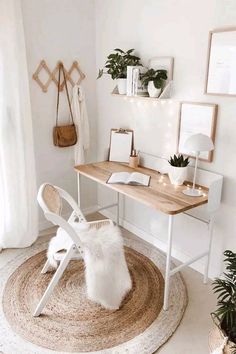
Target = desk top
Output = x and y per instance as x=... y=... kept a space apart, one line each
x=160 y=195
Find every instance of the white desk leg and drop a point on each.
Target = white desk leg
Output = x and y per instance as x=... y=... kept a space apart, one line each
x=168 y=263
x=210 y=235
x=78 y=186
x=118 y=209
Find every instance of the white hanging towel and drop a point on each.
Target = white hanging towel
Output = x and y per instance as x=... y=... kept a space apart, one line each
x=81 y=121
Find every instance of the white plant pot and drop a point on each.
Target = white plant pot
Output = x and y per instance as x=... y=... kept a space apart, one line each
x=152 y=90
x=122 y=86
x=177 y=175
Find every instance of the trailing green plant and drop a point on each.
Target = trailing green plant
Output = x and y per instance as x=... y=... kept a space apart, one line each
x=225 y=288
x=178 y=161
x=157 y=76
x=117 y=62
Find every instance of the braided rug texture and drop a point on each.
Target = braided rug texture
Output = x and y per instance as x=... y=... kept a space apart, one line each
x=72 y=323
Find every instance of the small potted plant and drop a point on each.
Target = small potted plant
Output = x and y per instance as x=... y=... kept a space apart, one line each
x=155 y=81
x=222 y=338
x=116 y=67
x=178 y=169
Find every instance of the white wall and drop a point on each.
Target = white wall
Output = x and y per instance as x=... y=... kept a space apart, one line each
x=83 y=30
x=60 y=30
x=179 y=29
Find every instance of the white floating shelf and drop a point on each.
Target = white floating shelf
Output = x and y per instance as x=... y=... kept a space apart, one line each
x=153 y=99
x=138 y=97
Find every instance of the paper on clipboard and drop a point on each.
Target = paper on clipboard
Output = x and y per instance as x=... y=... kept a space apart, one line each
x=120 y=145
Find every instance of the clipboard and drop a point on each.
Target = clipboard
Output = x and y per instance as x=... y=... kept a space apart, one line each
x=121 y=145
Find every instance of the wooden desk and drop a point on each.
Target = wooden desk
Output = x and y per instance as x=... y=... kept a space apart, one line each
x=160 y=195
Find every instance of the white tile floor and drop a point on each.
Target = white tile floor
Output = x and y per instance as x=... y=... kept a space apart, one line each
x=191 y=337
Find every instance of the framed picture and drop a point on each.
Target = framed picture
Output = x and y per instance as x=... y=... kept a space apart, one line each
x=163 y=63
x=197 y=118
x=221 y=63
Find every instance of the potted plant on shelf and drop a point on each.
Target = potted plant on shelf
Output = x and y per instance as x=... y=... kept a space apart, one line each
x=116 y=67
x=222 y=338
x=178 y=169
x=155 y=81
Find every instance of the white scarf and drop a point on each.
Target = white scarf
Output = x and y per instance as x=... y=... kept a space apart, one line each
x=81 y=121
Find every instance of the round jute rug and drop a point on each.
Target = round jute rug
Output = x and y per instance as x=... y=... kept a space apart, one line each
x=72 y=323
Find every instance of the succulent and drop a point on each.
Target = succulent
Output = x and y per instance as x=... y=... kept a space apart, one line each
x=225 y=288
x=157 y=76
x=178 y=161
x=117 y=62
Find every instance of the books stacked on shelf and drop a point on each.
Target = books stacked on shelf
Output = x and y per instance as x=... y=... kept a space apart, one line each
x=134 y=85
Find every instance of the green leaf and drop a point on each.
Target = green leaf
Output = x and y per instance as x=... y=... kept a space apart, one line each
x=157 y=83
x=100 y=73
x=157 y=76
x=118 y=50
x=130 y=51
x=225 y=288
x=178 y=161
x=117 y=63
x=111 y=56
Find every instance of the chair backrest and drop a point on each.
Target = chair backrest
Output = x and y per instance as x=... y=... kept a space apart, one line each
x=50 y=199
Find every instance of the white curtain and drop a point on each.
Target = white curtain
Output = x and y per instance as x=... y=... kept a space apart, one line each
x=18 y=208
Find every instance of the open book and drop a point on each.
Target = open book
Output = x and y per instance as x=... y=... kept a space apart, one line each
x=134 y=178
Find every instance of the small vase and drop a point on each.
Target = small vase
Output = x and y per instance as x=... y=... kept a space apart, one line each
x=152 y=90
x=122 y=86
x=133 y=161
x=177 y=175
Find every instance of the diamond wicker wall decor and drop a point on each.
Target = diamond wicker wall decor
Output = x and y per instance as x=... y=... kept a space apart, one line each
x=52 y=75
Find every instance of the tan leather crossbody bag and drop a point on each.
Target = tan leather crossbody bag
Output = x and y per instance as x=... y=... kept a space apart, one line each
x=64 y=135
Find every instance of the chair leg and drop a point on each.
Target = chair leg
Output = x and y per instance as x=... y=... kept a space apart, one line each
x=118 y=209
x=45 y=267
x=63 y=264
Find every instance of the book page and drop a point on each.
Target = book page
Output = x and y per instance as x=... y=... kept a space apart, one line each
x=119 y=177
x=139 y=179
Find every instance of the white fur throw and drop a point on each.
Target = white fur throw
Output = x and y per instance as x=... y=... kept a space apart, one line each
x=107 y=276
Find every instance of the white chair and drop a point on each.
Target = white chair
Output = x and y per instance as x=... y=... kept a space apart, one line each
x=50 y=199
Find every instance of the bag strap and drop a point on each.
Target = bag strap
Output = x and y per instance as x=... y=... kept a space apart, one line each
x=61 y=67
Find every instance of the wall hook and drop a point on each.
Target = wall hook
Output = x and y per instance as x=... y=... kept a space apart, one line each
x=52 y=75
